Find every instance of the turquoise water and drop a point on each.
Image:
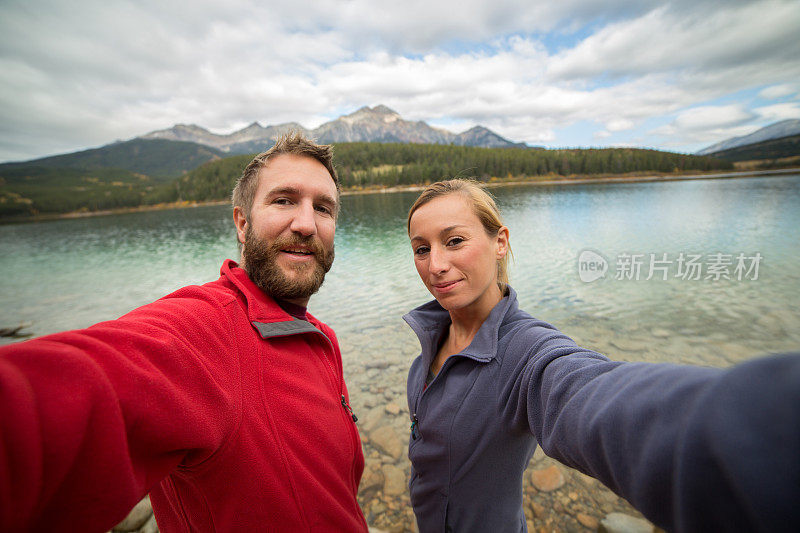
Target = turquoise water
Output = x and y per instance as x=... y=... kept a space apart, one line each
x=72 y=273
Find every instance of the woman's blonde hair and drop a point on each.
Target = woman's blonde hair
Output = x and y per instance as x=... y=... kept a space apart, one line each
x=483 y=206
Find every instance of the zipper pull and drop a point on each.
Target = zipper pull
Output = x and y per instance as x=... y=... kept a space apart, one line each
x=349 y=409
x=414 y=423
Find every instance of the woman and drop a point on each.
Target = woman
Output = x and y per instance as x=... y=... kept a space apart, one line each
x=492 y=380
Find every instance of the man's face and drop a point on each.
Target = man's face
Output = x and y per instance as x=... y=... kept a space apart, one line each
x=288 y=238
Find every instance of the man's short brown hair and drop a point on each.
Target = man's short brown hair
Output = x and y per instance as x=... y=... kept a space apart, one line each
x=290 y=143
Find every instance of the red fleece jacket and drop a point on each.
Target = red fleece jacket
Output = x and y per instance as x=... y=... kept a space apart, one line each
x=232 y=413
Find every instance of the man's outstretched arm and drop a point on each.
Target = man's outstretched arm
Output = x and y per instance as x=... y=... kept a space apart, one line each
x=91 y=420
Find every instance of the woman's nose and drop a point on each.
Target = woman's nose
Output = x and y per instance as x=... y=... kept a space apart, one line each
x=438 y=261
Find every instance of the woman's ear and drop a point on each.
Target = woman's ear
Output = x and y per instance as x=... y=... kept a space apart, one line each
x=502 y=242
x=240 y=221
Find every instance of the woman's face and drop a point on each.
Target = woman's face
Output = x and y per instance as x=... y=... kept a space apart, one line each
x=455 y=257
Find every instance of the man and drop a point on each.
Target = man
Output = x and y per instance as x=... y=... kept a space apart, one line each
x=225 y=402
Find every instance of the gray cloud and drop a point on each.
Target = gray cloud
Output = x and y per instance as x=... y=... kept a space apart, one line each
x=84 y=74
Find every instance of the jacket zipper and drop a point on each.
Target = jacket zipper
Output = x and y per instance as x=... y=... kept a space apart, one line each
x=420 y=394
x=349 y=409
x=339 y=379
x=354 y=432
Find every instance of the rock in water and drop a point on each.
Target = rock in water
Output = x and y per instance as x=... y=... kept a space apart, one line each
x=587 y=521
x=150 y=526
x=622 y=523
x=372 y=480
x=395 y=480
x=392 y=408
x=386 y=440
x=548 y=479
x=141 y=512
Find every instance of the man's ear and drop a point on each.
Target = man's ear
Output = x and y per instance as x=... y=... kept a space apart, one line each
x=240 y=221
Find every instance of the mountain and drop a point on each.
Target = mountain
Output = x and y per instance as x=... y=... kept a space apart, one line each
x=772 y=151
x=783 y=128
x=379 y=124
x=376 y=124
x=480 y=136
x=157 y=158
x=248 y=140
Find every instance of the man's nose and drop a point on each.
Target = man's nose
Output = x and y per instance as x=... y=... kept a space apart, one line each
x=303 y=221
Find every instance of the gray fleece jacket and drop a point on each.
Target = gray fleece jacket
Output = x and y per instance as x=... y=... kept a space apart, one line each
x=665 y=437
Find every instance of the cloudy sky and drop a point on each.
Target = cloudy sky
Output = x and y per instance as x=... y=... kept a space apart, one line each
x=672 y=75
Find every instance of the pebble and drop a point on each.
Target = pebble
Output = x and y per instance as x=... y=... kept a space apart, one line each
x=385 y=438
x=138 y=516
x=538 y=454
x=629 y=345
x=538 y=510
x=622 y=523
x=392 y=408
x=394 y=480
x=588 y=521
x=371 y=480
x=547 y=479
x=661 y=333
x=377 y=506
x=150 y=526
x=372 y=419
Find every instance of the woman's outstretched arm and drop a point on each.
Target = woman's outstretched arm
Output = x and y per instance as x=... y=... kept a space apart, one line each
x=693 y=448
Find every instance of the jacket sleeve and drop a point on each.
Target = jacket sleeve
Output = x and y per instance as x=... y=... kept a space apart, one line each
x=90 y=420
x=693 y=448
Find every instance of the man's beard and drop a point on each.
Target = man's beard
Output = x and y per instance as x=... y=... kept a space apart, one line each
x=260 y=263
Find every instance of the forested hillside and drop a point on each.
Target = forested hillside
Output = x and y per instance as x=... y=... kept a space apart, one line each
x=29 y=190
x=784 y=151
x=124 y=174
x=160 y=159
x=363 y=165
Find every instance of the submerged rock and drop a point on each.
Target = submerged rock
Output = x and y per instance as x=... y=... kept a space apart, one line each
x=622 y=523
x=394 y=480
x=547 y=479
x=385 y=438
x=138 y=516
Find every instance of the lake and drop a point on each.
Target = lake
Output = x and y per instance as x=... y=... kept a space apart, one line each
x=722 y=258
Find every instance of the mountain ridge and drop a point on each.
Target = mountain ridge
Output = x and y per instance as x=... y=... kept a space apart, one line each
x=366 y=124
x=776 y=130
x=157 y=158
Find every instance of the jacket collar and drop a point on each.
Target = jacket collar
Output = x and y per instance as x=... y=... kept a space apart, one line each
x=429 y=321
x=263 y=312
